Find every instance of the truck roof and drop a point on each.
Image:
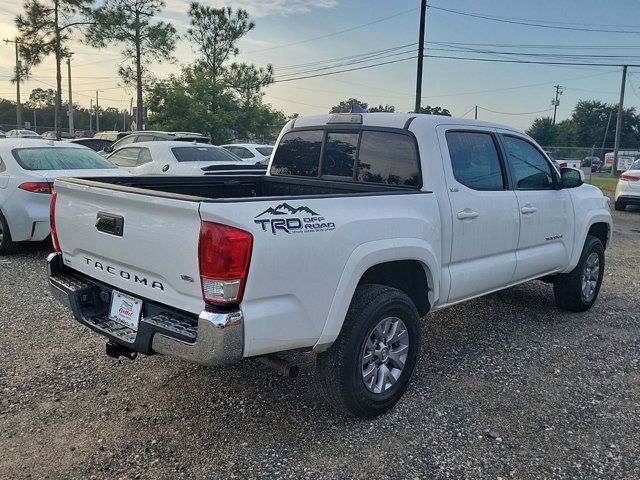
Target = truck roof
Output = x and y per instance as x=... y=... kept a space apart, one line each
x=397 y=120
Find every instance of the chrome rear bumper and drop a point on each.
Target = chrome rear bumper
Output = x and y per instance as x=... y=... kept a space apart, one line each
x=212 y=338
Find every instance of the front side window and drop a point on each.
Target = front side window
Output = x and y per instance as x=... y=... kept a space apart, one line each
x=59 y=158
x=203 y=154
x=530 y=170
x=298 y=154
x=125 y=157
x=124 y=141
x=475 y=161
x=340 y=154
x=387 y=157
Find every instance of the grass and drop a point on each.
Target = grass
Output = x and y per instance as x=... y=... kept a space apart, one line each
x=607 y=185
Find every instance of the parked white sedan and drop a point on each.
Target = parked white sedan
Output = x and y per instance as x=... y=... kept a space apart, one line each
x=628 y=188
x=28 y=168
x=251 y=153
x=171 y=158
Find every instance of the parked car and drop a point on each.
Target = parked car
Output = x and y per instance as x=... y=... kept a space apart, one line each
x=28 y=168
x=112 y=135
x=628 y=188
x=174 y=158
x=250 y=152
x=22 y=134
x=153 y=136
x=95 y=144
x=51 y=135
x=364 y=224
x=592 y=162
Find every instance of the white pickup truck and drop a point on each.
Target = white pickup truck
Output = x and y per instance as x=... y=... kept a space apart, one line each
x=364 y=224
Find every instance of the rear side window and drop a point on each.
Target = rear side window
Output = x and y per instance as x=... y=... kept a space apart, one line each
x=475 y=161
x=242 y=152
x=144 y=156
x=59 y=158
x=298 y=154
x=387 y=157
x=203 y=154
x=530 y=170
x=266 y=151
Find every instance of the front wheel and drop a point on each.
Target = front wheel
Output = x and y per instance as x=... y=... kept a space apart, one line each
x=368 y=368
x=6 y=244
x=577 y=290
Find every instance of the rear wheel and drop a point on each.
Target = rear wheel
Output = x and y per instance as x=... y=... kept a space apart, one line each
x=6 y=244
x=577 y=291
x=368 y=368
x=620 y=206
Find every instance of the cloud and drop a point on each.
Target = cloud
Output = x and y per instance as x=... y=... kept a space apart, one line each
x=259 y=8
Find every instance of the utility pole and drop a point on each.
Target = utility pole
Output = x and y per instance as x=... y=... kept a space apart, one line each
x=423 y=14
x=35 y=124
x=556 y=102
x=91 y=114
x=97 y=113
x=70 y=96
x=16 y=42
x=616 y=146
x=476 y=115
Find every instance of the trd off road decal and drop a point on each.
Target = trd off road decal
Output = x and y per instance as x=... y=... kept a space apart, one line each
x=288 y=219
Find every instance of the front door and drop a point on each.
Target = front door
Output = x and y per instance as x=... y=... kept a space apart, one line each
x=546 y=213
x=484 y=212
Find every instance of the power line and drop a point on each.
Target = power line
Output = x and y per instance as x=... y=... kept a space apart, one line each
x=514 y=113
x=536 y=62
x=533 y=23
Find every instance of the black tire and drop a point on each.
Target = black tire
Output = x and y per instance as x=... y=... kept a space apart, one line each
x=620 y=206
x=567 y=288
x=340 y=367
x=6 y=244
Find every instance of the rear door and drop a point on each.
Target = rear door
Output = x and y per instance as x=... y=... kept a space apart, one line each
x=154 y=257
x=484 y=211
x=546 y=214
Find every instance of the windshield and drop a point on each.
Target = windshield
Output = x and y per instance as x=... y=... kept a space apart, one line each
x=203 y=154
x=636 y=165
x=59 y=158
x=266 y=151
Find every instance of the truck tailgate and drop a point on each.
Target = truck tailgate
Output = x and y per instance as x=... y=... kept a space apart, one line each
x=155 y=257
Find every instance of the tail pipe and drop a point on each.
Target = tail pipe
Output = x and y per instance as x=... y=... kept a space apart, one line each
x=283 y=367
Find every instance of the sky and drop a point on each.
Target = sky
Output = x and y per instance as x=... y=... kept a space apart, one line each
x=292 y=33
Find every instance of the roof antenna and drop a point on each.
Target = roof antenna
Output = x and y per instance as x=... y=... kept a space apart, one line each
x=357 y=108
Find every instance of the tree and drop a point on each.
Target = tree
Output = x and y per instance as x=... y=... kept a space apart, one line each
x=345 y=105
x=382 y=108
x=215 y=32
x=45 y=28
x=428 y=109
x=543 y=131
x=41 y=99
x=128 y=22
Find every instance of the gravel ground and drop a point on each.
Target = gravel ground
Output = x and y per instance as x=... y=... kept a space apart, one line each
x=508 y=386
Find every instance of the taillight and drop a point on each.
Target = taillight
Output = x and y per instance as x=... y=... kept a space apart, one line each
x=629 y=178
x=52 y=221
x=224 y=253
x=37 y=187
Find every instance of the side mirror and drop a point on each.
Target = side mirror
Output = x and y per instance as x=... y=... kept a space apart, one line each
x=108 y=149
x=571 y=177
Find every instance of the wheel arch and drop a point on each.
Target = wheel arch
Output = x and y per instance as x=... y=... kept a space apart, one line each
x=597 y=224
x=370 y=263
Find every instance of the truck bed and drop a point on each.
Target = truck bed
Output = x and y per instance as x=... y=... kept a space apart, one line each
x=237 y=187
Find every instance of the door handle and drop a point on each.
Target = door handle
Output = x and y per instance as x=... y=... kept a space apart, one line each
x=527 y=209
x=467 y=214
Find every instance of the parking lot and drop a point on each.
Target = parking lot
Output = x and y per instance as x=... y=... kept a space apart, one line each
x=507 y=386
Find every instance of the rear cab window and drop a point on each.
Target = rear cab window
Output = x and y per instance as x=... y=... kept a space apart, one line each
x=365 y=155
